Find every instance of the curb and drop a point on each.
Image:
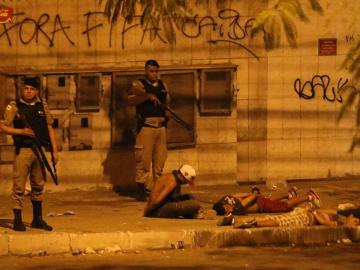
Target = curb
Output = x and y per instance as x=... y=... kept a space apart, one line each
x=78 y=243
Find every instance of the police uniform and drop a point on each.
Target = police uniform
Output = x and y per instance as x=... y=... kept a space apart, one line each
x=150 y=147
x=26 y=163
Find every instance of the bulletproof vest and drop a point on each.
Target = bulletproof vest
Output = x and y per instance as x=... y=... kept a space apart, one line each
x=32 y=116
x=148 y=108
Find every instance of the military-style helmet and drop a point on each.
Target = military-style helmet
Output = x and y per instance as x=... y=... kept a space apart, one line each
x=188 y=172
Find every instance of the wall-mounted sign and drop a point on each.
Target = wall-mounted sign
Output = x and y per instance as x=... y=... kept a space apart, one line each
x=6 y=14
x=327 y=46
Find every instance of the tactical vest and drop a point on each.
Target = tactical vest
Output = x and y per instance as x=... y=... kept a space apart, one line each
x=148 y=108
x=32 y=116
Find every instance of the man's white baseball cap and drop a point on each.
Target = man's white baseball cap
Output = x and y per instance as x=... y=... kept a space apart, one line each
x=188 y=172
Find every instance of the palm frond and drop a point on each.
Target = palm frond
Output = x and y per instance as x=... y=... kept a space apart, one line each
x=290 y=28
x=168 y=28
x=357 y=118
x=315 y=6
x=293 y=7
x=349 y=101
x=288 y=11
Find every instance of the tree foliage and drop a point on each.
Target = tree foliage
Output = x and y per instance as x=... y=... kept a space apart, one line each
x=352 y=91
x=282 y=15
x=159 y=14
x=165 y=14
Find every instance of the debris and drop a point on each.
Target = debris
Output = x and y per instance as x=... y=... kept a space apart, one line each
x=113 y=249
x=178 y=245
x=39 y=253
x=66 y=213
x=89 y=250
x=78 y=252
x=346 y=241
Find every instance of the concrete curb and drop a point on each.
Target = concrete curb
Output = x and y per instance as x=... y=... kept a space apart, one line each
x=77 y=243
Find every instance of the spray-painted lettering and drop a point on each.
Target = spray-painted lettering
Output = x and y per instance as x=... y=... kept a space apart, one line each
x=227 y=26
x=321 y=83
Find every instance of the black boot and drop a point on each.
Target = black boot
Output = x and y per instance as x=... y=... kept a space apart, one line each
x=18 y=223
x=38 y=222
x=141 y=192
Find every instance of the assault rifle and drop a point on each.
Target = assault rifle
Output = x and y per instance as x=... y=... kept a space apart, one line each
x=175 y=117
x=39 y=152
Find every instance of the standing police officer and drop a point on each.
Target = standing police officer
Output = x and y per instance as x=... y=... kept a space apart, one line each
x=23 y=119
x=150 y=148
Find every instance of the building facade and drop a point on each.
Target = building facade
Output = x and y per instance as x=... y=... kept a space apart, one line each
x=257 y=115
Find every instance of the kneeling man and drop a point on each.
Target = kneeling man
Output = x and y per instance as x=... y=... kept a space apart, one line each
x=166 y=200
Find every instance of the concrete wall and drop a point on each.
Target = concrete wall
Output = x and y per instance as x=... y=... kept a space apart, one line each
x=271 y=132
x=304 y=139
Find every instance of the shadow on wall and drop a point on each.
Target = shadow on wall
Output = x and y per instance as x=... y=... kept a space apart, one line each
x=119 y=165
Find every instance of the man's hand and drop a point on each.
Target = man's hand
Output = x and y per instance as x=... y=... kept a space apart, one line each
x=153 y=98
x=27 y=132
x=352 y=221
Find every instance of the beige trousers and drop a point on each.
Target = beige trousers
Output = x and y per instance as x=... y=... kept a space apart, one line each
x=27 y=165
x=150 y=150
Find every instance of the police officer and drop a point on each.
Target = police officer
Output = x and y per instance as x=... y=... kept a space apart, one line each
x=150 y=149
x=23 y=119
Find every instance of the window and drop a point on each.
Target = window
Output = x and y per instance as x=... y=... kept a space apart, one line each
x=123 y=117
x=216 y=92
x=81 y=135
x=181 y=86
x=88 y=93
x=58 y=91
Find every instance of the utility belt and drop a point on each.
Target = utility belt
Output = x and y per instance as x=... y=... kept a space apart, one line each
x=154 y=122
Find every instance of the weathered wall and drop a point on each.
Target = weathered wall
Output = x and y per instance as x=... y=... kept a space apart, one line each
x=32 y=46
x=271 y=132
x=304 y=139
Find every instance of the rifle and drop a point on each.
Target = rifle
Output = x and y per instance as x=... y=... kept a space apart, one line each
x=39 y=153
x=175 y=117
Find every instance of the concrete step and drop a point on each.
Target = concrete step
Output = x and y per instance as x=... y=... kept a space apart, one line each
x=51 y=243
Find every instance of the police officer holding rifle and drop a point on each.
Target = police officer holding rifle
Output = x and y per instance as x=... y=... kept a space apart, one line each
x=29 y=121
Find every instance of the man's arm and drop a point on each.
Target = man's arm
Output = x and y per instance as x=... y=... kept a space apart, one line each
x=138 y=95
x=16 y=131
x=5 y=125
x=155 y=201
x=323 y=217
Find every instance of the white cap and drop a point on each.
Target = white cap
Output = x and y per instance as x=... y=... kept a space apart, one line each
x=188 y=172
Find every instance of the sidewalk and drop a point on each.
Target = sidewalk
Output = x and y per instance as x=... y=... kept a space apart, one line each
x=104 y=220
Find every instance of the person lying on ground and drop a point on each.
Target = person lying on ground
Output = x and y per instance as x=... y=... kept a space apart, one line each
x=302 y=216
x=244 y=203
x=166 y=200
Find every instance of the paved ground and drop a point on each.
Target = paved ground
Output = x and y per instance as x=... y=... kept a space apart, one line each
x=329 y=257
x=103 y=210
x=105 y=220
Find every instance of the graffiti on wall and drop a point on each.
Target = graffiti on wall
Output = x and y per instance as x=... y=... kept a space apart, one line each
x=321 y=84
x=226 y=27
x=351 y=38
